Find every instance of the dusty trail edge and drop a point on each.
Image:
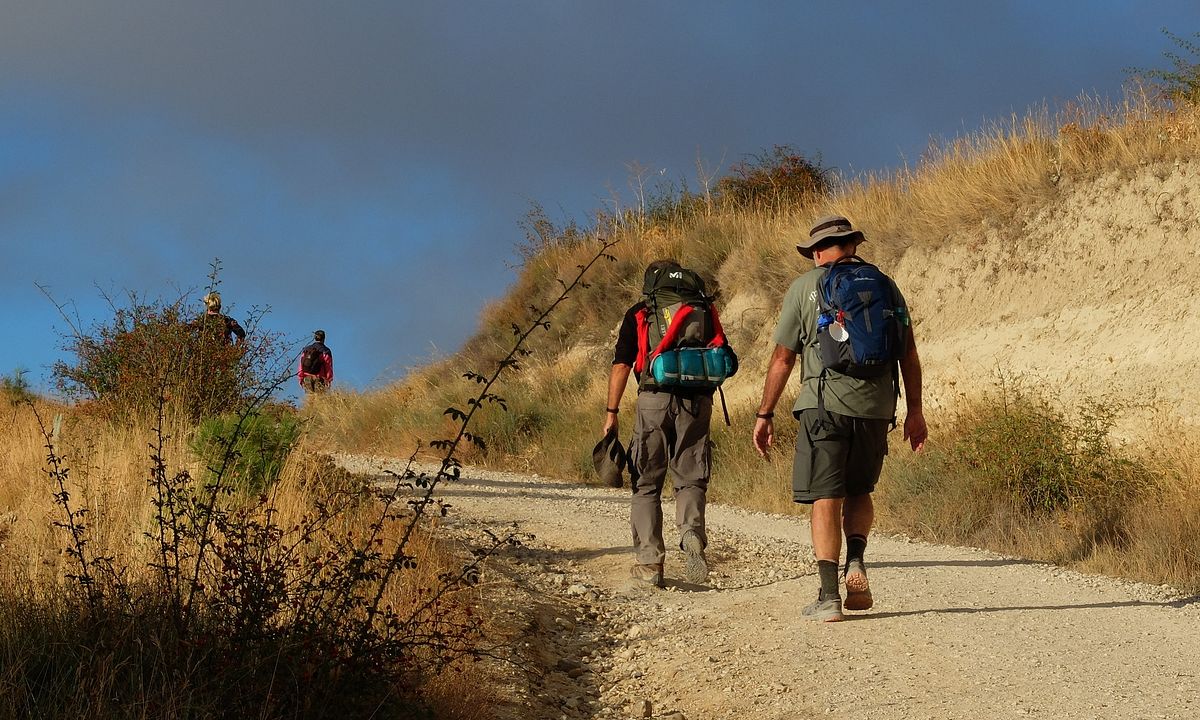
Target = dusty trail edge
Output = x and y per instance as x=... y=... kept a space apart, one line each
x=955 y=632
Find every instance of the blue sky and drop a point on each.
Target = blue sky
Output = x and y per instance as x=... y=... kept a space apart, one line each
x=362 y=167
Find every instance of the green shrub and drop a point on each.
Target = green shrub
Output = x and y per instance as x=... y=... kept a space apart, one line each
x=1017 y=472
x=1044 y=458
x=259 y=448
x=15 y=387
x=155 y=350
x=775 y=179
x=1180 y=84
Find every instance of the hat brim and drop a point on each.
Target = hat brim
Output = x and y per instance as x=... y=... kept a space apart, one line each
x=806 y=248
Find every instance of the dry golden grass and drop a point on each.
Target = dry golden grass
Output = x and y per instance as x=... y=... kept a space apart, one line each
x=1021 y=163
x=1164 y=545
x=109 y=473
x=108 y=477
x=1128 y=511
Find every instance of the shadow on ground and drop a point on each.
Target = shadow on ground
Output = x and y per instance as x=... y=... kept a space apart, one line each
x=1001 y=562
x=1022 y=608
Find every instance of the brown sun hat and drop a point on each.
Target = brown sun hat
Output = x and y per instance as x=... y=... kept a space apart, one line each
x=830 y=227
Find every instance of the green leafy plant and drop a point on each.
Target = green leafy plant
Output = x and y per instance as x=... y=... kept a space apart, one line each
x=15 y=386
x=1180 y=83
x=258 y=448
x=1016 y=470
x=1045 y=458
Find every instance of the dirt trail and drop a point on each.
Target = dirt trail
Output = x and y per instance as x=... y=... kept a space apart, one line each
x=955 y=632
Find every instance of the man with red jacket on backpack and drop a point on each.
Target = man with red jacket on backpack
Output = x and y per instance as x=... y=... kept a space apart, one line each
x=671 y=431
x=316 y=365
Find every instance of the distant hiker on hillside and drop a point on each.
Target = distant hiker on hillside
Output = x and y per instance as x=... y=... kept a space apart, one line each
x=673 y=342
x=316 y=365
x=849 y=322
x=220 y=325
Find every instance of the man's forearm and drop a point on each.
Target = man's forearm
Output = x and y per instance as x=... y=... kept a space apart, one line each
x=910 y=371
x=617 y=380
x=778 y=372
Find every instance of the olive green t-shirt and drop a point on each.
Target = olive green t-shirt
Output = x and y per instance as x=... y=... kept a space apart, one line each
x=797 y=331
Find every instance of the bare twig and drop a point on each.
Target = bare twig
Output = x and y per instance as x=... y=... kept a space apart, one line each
x=451 y=468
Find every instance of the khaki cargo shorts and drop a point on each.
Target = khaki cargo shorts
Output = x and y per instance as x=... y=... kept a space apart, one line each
x=838 y=457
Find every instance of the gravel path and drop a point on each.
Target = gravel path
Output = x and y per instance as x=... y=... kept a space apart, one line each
x=955 y=632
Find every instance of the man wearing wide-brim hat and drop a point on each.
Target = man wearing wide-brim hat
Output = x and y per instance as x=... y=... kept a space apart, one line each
x=830 y=230
x=844 y=418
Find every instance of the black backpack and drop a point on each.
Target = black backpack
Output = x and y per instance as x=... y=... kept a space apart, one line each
x=667 y=292
x=681 y=343
x=312 y=359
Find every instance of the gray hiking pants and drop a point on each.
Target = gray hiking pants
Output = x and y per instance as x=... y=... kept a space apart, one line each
x=669 y=433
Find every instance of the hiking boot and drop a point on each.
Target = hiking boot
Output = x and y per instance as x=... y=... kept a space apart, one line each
x=828 y=609
x=649 y=574
x=696 y=568
x=858 y=591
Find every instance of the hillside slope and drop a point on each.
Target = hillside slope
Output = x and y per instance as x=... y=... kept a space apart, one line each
x=1092 y=294
x=1055 y=258
x=1095 y=293
x=1098 y=292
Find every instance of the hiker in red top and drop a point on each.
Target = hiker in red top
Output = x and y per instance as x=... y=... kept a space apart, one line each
x=673 y=343
x=316 y=365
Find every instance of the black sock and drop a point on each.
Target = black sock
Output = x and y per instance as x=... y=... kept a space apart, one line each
x=856 y=545
x=828 y=571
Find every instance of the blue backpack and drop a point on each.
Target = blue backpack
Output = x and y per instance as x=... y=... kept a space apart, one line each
x=862 y=325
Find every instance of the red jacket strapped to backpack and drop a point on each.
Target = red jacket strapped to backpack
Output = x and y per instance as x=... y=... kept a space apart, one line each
x=646 y=356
